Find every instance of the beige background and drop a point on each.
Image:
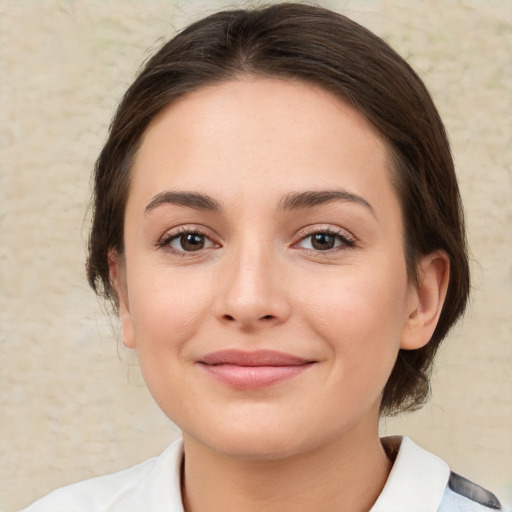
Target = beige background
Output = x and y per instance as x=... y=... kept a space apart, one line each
x=72 y=402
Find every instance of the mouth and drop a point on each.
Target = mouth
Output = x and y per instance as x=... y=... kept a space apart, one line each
x=253 y=370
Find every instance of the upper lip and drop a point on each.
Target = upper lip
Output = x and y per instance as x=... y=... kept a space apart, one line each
x=254 y=358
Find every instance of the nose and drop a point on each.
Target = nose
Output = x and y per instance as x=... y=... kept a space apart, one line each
x=252 y=291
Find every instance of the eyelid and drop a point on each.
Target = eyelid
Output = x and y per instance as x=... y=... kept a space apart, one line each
x=349 y=240
x=173 y=233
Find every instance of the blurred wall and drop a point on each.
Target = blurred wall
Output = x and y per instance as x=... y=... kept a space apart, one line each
x=72 y=403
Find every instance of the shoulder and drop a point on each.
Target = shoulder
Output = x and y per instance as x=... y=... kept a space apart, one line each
x=95 y=493
x=140 y=485
x=465 y=496
x=422 y=482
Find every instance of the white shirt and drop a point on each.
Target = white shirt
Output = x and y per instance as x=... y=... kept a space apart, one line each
x=419 y=482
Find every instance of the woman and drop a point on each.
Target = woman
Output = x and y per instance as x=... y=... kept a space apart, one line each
x=277 y=222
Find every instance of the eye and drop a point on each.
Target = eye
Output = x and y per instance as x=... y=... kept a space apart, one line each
x=325 y=241
x=187 y=241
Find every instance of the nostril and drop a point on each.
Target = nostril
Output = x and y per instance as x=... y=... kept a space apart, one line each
x=228 y=317
x=267 y=317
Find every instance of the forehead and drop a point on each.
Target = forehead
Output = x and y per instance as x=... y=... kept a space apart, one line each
x=260 y=132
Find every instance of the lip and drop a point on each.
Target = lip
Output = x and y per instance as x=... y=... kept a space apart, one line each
x=253 y=370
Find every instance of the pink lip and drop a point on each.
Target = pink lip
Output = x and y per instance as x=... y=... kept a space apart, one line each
x=253 y=370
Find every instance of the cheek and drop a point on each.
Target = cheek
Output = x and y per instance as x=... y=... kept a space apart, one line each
x=166 y=309
x=167 y=312
x=360 y=312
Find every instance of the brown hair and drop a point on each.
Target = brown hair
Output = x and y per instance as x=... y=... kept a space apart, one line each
x=319 y=46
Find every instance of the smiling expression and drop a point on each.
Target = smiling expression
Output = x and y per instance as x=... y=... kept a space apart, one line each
x=264 y=283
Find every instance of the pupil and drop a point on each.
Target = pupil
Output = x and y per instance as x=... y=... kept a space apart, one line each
x=192 y=242
x=323 y=241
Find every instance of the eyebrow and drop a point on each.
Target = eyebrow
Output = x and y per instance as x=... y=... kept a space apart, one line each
x=311 y=198
x=292 y=201
x=189 y=199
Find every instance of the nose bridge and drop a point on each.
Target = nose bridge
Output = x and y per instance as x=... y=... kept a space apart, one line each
x=252 y=293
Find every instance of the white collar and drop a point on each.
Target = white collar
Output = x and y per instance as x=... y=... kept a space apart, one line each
x=417 y=480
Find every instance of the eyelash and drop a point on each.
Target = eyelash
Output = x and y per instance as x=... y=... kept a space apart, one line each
x=165 y=242
x=347 y=242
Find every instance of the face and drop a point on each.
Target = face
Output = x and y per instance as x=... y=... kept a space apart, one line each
x=264 y=283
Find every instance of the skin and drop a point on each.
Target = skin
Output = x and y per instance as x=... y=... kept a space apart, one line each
x=258 y=282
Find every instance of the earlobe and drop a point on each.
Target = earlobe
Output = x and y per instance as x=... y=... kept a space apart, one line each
x=426 y=300
x=118 y=279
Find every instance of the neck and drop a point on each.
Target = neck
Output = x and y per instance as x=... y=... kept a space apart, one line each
x=345 y=474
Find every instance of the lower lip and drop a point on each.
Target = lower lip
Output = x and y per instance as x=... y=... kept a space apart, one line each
x=253 y=377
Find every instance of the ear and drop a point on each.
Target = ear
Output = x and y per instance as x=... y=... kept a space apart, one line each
x=117 y=271
x=426 y=300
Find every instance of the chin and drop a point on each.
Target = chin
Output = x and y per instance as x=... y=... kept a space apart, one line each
x=255 y=441
x=263 y=448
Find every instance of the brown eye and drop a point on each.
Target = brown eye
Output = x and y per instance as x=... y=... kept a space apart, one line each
x=189 y=242
x=192 y=242
x=323 y=241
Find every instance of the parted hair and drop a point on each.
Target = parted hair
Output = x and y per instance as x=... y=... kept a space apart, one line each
x=315 y=45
